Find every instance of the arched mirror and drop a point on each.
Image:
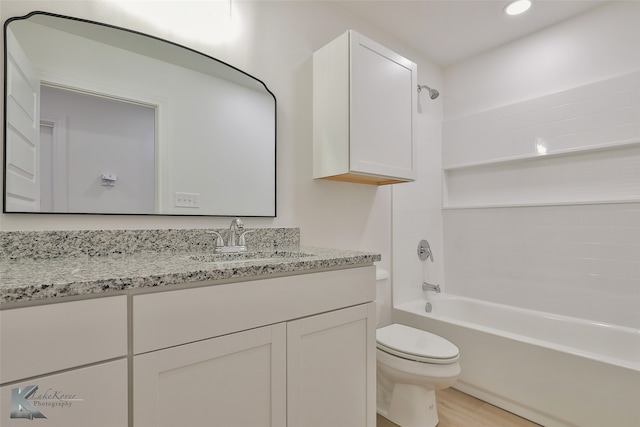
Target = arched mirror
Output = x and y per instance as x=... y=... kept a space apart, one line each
x=104 y=120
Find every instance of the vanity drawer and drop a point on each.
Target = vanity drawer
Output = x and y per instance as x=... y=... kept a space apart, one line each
x=172 y=318
x=48 y=338
x=93 y=396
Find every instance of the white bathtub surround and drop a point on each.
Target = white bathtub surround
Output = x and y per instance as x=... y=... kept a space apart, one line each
x=541 y=200
x=541 y=156
x=578 y=260
x=555 y=370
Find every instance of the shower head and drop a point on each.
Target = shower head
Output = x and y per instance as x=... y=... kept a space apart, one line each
x=433 y=94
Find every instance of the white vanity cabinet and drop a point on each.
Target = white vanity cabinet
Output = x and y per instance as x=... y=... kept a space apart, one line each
x=288 y=351
x=66 y=362
x=364 y=107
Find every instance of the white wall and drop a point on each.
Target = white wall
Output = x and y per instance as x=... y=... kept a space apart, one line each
x=417 y=206
x=92 y=147
x=273 y=41
x=580 y=259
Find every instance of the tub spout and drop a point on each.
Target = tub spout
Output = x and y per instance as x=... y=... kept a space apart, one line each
x=429 y=287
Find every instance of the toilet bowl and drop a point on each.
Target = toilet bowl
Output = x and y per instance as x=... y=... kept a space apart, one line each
x=411 y=365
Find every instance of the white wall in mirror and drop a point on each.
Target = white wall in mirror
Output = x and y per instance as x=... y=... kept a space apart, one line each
x=92 y=136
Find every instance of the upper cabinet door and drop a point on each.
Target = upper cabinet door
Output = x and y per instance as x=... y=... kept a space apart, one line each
x=383 y=90
x=364 y=111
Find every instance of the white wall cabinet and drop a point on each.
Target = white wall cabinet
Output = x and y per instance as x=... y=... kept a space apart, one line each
x=364 y=106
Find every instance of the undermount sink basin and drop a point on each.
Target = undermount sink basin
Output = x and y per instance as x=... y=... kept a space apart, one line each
x=250 y=256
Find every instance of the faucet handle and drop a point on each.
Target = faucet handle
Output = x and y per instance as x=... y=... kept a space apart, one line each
x=241 y=239
x=219 y=239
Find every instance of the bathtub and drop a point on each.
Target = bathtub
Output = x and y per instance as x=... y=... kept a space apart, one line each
x=551 y=369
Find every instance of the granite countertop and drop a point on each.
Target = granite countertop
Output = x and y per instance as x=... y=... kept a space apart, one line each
x=32 y=279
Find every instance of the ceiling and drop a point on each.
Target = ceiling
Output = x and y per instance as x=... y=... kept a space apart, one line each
x=448 y=31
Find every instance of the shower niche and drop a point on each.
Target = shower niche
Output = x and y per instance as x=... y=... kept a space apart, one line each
x=363 y=112
x=577 y=146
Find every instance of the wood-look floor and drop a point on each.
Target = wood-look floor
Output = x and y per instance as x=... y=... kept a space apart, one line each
x=456 y=409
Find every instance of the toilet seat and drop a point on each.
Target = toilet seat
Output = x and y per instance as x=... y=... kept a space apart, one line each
x=415 y=344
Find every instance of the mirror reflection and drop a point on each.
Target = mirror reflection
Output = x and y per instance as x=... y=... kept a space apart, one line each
x=104 y=120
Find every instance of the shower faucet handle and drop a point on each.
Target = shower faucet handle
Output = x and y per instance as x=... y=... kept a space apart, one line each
x=424 y=250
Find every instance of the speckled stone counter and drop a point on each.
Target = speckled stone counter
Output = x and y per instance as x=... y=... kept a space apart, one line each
x=35 y=266
x=55 y=244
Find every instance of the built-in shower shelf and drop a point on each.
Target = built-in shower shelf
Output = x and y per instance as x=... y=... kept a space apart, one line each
x=527 y=157
x=541 y=204
x=603 y=174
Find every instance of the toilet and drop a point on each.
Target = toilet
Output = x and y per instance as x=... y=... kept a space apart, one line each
x=411 y=365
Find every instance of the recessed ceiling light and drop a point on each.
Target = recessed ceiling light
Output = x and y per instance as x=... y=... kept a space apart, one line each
x=517 y=7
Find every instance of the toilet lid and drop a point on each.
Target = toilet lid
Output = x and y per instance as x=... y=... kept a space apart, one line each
x=410 y=343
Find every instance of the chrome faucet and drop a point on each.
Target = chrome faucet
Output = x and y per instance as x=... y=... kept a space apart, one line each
x=236 y=227
x=429 y=287
x=235 y=240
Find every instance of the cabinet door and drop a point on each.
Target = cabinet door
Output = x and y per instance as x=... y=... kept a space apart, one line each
x=331 y=369
x=95 y=396
x=383 y=102
x=236 y=380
